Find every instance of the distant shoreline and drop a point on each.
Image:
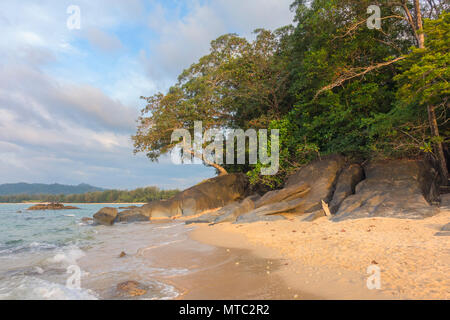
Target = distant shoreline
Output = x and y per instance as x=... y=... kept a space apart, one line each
x=119 y=203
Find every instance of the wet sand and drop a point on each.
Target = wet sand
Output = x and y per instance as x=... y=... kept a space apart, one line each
x=225 y=274
x=179 y=264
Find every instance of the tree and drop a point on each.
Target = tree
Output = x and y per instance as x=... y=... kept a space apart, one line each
x=238 y=84
x=411 y=12
x=425 y=80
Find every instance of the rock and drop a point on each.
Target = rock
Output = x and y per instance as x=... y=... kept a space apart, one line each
x=252 y=217
x=392 y=188
x=313 y=216
x=128 y=208
x=445 y=231
x=133 y=215
x=229 y=213
x=122 y=254
x=345 y=186
x=106 y=216
x=286 y=194
x=303 y=192
x=247 y=205
x=163 y=209
x=208 y=195
x=52 y=206
x=321 y=176
x=131 y=289
x=212 y=216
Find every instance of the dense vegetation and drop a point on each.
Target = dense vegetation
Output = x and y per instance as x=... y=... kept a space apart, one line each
x=141 y=195
x=329 y=83
x=39 y=188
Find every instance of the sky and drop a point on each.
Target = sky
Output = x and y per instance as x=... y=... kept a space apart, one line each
x=69 y=97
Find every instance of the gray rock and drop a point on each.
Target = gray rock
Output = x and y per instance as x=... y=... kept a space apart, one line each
x=345 y=186
x=106 y=216
x=285 y=194
x=395 y=188
x=321 y=176
x=446 y=227
x=229 y=213
x=132 y=215
x=445 y=231
x=252 y=217
x=210 y=194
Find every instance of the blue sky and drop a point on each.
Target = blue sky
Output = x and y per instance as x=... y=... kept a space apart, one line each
x=69 y=99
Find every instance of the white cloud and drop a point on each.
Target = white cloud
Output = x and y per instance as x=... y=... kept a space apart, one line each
x=184 y=38
x=66 y=115
x=102 y=40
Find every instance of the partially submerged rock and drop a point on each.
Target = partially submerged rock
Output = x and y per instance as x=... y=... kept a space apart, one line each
x=106 y=216
x=52 y=206
x=133 y=215
x=394 y=188
x=131 y=289
x=211 y=194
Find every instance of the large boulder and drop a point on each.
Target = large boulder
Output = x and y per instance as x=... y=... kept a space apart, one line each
x=51 y=206
x=229 y=213
x=392 y=188
x=303 y=191
x=106 y=216
x=208 y=195
x=321 y=176
x=345 y=186
x=132 y=215
x=286 y=194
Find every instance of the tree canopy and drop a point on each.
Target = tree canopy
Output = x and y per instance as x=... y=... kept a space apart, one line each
x=328 y=82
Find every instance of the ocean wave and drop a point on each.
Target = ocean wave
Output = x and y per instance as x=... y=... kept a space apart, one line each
x=68 y=256
x=12 y=248
x=31 y=288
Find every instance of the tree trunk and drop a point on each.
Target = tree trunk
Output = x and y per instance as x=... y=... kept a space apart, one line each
x=219 y=168
x=419 y=24
x=439 y=148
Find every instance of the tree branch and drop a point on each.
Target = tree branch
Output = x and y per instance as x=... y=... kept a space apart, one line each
x=353 y=74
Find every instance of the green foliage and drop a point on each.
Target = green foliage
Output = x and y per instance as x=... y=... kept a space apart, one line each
x=426 y=72
x=329 y=84
x=140 y=195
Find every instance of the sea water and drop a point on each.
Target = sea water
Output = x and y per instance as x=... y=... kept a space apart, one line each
x=39 y=248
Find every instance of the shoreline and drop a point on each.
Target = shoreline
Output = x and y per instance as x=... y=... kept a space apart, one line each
x=303 y=282
x=330 y=260
x=105 y=203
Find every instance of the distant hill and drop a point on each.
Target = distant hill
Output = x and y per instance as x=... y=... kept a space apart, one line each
x=38 y=188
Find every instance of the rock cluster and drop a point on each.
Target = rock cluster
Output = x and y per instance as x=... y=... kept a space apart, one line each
x=51 y=206
x=394 y=188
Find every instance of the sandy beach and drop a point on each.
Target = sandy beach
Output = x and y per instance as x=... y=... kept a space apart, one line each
x=329 y=260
